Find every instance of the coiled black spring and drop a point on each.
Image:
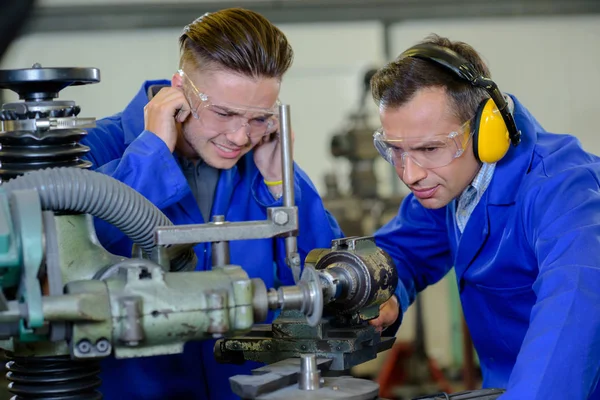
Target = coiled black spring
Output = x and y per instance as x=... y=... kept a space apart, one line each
x=53 y=378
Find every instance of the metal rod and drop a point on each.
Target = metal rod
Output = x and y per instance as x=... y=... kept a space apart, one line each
x=286 y=155
x=220 y=250
x=310 y=376
x=291 y=243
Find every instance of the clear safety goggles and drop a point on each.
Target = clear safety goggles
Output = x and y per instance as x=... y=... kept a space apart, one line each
x=224 y=118
x=428 y=152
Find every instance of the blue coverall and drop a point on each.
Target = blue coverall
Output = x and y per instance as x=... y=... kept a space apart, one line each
x=121 y=148
x=527 y=266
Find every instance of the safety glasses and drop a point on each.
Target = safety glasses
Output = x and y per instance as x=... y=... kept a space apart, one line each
x=428 y=152
x=225 y=118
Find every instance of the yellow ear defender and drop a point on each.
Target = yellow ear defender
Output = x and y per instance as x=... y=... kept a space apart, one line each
x=491 y=139
x=495 y=127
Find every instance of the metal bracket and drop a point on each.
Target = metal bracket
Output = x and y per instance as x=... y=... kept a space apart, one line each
x=10 y=254
x=26 y=211
x=280 y=220
x=92 y=338
x=43 y=124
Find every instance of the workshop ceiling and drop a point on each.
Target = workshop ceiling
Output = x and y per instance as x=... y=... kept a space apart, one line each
x=82 y=15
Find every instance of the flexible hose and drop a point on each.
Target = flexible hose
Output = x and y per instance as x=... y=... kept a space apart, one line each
x=89 y=192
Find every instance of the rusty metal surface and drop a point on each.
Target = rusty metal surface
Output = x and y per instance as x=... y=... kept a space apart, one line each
x=289 y=336
x=374 y=273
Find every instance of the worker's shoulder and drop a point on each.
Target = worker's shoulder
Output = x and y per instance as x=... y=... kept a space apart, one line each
x=559 y=161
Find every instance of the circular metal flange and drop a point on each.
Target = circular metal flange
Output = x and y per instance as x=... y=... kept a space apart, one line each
x=260 y=302
x=310 y=278
x=343 y=387
x=39 y=83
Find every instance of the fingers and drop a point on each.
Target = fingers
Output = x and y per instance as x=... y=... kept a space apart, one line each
x=169 y=102
x=271 y=137
x=182 y=114
x=378 y=324
x=163 y=111
x=388 y=313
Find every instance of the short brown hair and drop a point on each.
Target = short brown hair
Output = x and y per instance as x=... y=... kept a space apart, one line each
x=396 y=83
x=237 y=40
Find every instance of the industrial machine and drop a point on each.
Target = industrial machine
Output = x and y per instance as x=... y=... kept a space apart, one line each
x=66 y=302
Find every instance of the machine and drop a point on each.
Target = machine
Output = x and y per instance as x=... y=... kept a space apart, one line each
x=66 y=302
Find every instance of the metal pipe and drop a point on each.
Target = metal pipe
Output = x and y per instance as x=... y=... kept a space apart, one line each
x=291 y=243
x=286 y=155
x=310 y=376
x=220 y=250
x=73 y=307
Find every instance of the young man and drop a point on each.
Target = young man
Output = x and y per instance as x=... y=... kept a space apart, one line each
x=515 y=210
x=204 y=145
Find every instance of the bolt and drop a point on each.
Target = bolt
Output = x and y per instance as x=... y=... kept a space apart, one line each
x=268 y=346
x=280 y=218
x=84 y=346
x=103 y=345
x=338 y=348
x=303 y=347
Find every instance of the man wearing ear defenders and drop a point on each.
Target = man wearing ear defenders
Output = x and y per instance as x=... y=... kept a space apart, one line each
x=203 y=144
x=514 y=209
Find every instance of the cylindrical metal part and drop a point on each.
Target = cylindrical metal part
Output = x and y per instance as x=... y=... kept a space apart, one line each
x=306 y=296
x=291 y=297
x=260 y=300
x=220 y=250
x=347 y=278
x=273 y=299
x=220 y=254
x=218 y=309
x=310 y=376
x=72 y=307
x=365 y=273
x=286 y=155
x=131 y=330
x=179 y=307
x=291 y=243
x=334 y=283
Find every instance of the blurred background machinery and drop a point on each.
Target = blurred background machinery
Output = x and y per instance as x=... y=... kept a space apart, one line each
x=362 y=209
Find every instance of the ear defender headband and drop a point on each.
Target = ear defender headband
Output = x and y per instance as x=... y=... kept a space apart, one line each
x=493 y=135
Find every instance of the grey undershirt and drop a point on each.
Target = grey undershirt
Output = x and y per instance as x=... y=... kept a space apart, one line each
x=202 y=179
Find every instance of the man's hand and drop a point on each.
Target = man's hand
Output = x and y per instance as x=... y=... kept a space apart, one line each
x=162 y=114
x=267 y=157
x=388 y=314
